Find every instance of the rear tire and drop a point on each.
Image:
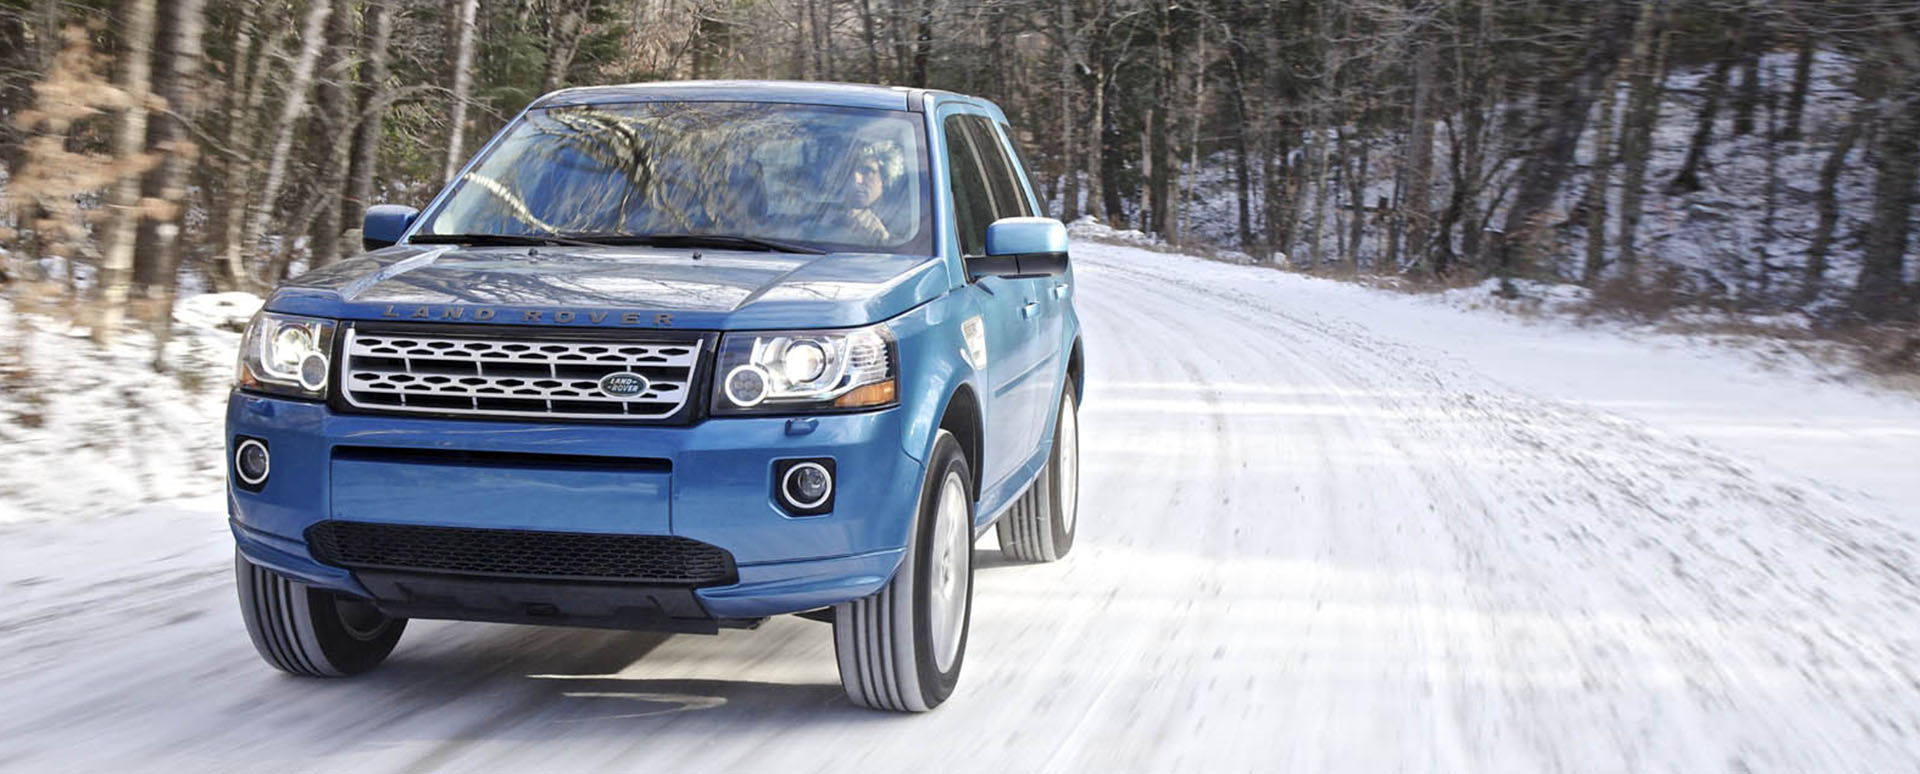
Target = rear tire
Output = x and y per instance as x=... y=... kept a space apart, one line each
x=1040 y=526
x=901 y=648
x=311 y=632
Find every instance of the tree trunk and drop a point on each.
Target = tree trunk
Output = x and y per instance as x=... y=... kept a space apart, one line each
x=312 y=38
x=1595 y=202
x=161 y=131
x=873 y=41
x=334 y=95
x=238 y=164
x=1193 y=130
x=1160 y=131
x=1770 y=210
x=1096 y=82
x=1880 y=291
x=1341 y=154
x=18 y=72
x=1319 y=164
x=1069 y=153
x=1827 y=205
x=461 y=75
x=563 y=40
x=1242 y=179
x=1148 y=189
x=1357 y=199
x=902 y=42
x=922 y=43
x=1477 y=102
x=129 y=139
x=1747 y=100
x=376 y=36
x=1802 y=83
x=1546 y=168
x=1636 y=138
x=183 y=61
x=1276 y=226
x=1688 y=179
x=1418 y=198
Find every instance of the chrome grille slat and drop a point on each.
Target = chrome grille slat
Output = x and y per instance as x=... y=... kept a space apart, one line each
x=523 y=377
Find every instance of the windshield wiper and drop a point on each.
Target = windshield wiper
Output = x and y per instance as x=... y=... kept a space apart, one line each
x=502 y=239
x=722 y=241
x=593 y=239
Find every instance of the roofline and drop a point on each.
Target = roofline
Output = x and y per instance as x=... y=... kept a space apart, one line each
x=902 y=98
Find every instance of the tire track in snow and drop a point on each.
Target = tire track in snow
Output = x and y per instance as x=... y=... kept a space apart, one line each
x=1305 y=545
x=1678 y=488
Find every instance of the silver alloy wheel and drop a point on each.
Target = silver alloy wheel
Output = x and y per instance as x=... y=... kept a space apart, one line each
x=1069 y=462
x=952 y=553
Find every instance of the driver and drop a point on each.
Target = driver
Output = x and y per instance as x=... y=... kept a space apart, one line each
x=876 y=169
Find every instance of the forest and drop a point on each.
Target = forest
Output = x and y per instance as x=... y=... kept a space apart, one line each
x=1758 y=156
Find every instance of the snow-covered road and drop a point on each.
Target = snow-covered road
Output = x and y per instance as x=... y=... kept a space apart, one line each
x=1322 y=529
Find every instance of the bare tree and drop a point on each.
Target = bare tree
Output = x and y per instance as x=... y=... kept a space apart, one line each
x=312 y=39
x=373 y=93
x=129 y=140
x=182 y=62
x=1645 y=66
x=461 y=74
x=563 y=39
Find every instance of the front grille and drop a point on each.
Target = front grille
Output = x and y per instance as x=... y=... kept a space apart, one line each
x=506 y=553
x=442 y=373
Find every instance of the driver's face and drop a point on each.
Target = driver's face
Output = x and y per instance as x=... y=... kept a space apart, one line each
x=866 y=184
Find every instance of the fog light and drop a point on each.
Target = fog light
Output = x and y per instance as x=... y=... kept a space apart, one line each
x=251 y=463
x=806 y=486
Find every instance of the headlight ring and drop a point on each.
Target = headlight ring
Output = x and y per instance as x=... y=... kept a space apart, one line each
x=287 y=355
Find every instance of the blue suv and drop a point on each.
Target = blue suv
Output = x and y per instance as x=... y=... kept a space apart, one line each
x=674 y=357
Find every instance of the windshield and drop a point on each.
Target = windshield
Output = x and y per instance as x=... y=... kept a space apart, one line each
x=837 y=179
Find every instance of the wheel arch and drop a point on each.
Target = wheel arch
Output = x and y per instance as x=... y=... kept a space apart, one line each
x=962 y=418
x=1076 y=370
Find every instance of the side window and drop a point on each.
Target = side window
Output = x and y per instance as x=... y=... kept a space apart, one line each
x=972 y=204
x=1008 y=198
x=1018 y=156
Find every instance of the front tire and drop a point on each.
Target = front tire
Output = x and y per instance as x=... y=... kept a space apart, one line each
x=901 y=649
x=1041 y=524
x=308 y=631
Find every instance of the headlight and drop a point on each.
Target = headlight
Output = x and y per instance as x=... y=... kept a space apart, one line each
x=788 y=371
x=286 y=355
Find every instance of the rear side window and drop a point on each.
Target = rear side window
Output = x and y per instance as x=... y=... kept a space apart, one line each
x=973 y=206
x=1008 y=198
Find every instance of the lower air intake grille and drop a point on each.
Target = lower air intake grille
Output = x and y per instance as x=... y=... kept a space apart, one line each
x=662 y=559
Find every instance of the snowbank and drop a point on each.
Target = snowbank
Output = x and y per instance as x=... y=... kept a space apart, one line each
x=86 y=432
x=1089 y=228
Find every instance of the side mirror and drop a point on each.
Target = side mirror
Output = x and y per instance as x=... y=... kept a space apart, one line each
x=384 y=224
x=1021 y=248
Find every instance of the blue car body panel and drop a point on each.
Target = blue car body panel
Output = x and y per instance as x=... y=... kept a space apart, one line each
x=709 y=480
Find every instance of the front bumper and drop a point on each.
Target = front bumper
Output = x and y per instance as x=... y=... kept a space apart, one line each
x=710 y=482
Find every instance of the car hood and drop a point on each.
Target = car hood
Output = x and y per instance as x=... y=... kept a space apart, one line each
x=616 y=287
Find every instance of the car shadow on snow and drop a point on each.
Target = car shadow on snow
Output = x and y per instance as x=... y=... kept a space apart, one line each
x=544 y=681
x=606 y=700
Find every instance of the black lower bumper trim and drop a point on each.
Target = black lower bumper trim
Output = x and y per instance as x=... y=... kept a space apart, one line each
x=637 y=607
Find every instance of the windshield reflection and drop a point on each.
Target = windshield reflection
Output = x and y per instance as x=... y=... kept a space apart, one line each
x=840 y=179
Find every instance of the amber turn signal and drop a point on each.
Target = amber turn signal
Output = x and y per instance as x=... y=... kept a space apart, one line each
x=876 y=394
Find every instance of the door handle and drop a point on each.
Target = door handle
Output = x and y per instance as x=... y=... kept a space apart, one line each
x=1028 y=309
x=1060 y=290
